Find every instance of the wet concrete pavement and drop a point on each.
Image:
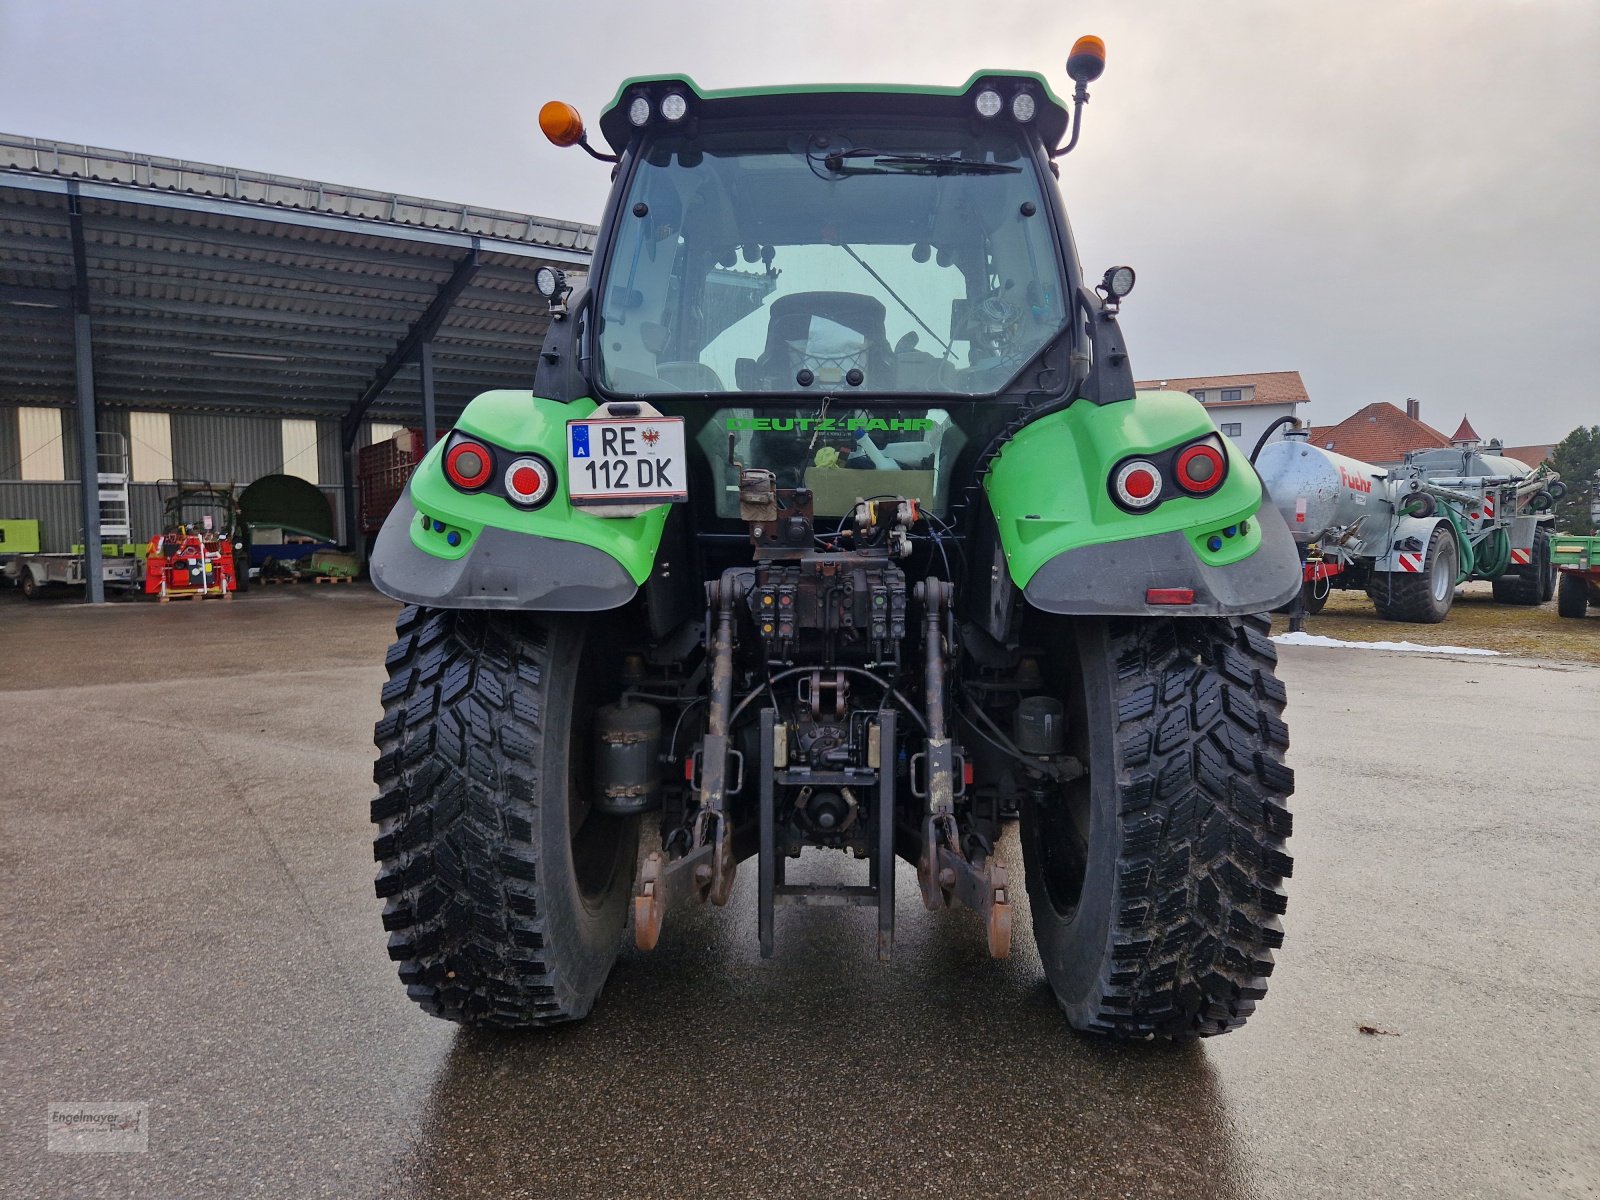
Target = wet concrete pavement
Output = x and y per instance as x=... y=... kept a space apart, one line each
x=189 y=921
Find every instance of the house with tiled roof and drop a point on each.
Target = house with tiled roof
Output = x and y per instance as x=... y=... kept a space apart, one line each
x=1380 y=434
x=1530 y=456
x=1242 y=406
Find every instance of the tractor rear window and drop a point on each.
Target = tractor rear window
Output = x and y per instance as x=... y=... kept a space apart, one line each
x=888 y=261
x=842 y=454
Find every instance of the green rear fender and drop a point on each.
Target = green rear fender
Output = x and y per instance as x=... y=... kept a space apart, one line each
x=1071 y=549
x=449 y=549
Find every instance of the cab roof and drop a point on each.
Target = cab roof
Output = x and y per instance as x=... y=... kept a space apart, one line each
x=872 y=99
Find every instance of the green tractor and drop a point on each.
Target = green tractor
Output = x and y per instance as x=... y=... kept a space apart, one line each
x=833 y=522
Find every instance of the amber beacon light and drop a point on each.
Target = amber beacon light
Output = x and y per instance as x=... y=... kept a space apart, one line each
x=1087 y=61
x=1085 y=64
x=561 y=123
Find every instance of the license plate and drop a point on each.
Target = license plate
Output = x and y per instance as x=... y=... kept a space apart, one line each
x=622 y=460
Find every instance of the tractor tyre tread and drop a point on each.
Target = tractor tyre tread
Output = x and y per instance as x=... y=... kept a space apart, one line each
x=468 y=889
x=1201 y=798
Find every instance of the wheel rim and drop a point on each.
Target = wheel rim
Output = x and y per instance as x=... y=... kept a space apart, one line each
x=1063 y=822
x=1443 y=575
x=593 y=837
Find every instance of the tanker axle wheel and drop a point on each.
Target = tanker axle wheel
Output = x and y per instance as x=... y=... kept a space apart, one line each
x=1421 y=597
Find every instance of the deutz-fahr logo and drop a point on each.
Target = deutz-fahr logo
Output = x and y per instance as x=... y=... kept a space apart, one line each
x=831 y=424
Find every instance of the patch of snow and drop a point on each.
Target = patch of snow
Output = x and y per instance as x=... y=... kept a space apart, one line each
x=1313 y=639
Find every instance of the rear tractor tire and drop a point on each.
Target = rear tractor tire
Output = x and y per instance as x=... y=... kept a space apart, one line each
x=1155 y=879
x=1423 y=598
x=505 y=892
x=1572 y=595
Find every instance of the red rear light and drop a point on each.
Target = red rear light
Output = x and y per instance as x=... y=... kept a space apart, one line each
x=529 y=481
x=1169 y=596
x=1201 y=468
x=468 y=465
x=1137 y=484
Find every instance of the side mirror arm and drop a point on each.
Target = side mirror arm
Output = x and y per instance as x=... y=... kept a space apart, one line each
x=1110 y=377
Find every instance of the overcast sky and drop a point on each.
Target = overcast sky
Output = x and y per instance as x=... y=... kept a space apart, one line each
x=1394 y=197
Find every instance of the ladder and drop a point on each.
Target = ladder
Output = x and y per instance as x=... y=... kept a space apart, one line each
x=111 y=466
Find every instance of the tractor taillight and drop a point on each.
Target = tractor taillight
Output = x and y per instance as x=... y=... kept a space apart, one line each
x=1178 y=596
x=529 y=482
x=1137 y=484
x=1200 y=468
x=468 y=465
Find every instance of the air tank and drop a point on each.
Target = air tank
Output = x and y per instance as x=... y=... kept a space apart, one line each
x=1317 y=490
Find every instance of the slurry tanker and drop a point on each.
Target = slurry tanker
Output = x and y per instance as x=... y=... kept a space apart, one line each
x=1408 y=535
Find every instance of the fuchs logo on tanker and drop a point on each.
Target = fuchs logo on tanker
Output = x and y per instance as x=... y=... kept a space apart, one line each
x=1354 y=482
x=831 y=424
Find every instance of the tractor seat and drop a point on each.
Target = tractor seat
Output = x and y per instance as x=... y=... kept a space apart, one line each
x=789 y=330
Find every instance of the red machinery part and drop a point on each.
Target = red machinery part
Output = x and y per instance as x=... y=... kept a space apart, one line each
x=176 y=564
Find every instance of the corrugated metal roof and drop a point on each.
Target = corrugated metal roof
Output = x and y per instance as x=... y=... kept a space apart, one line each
x=228 y=290
x=69 y=160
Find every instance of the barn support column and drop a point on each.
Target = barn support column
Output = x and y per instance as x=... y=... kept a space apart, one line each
x=430 y=415
x=88 y=418
x=352 y=517
x=417 y=345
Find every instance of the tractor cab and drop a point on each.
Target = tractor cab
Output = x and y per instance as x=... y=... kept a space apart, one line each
x=846 y=287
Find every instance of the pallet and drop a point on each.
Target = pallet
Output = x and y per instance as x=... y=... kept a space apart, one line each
x=333 y=579
x=271 y=579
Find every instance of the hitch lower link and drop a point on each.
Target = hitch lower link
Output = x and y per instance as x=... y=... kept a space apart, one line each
x=705 y=871
x=945 y=872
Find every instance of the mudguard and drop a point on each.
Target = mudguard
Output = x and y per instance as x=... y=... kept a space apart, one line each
x=1408 y=544
x=1072 y=550
x=448 y=549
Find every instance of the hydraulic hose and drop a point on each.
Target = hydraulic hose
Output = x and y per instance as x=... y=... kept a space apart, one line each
x=1268 y=432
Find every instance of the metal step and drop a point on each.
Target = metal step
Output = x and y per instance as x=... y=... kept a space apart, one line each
x=774 y=892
